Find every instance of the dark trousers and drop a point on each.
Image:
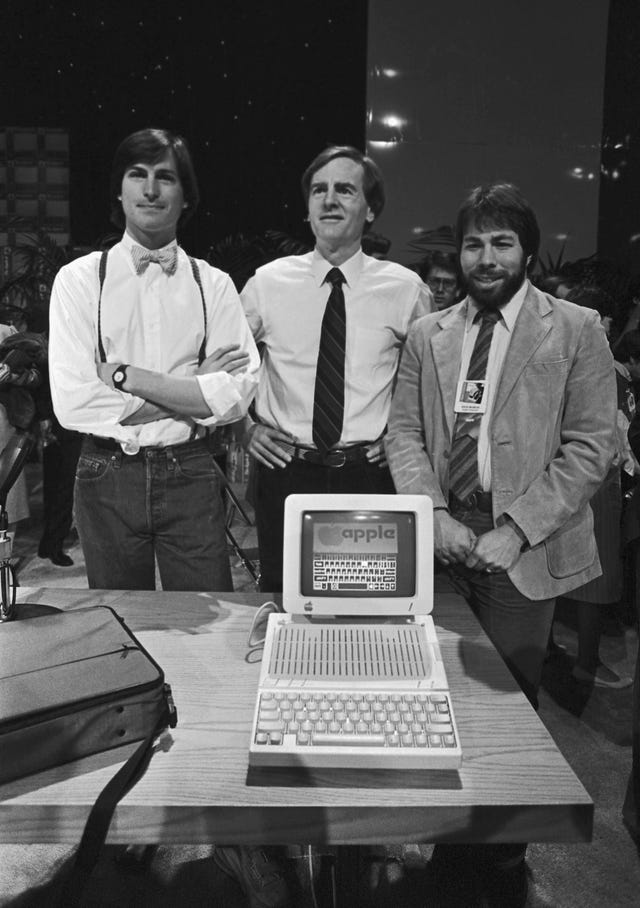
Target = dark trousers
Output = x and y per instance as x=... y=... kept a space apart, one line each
x=631 y=807
x=273 y=486
x=59 y=461
x=162 y=504
x=519 y=629
x=517 y=626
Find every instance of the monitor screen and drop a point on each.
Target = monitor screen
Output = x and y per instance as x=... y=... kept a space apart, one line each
x=358 y=553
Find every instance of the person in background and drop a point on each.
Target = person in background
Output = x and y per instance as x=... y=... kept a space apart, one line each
x=511 y=477
x=148 y=349
x=441 y=276
x=60 y=452
x=17 y=503
x=606 y=505
x=631 y=806
x=627 y=352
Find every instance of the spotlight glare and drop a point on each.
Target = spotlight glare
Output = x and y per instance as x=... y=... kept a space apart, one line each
x=393 y=121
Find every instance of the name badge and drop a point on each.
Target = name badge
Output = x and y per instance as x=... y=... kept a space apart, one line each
x=472 y=396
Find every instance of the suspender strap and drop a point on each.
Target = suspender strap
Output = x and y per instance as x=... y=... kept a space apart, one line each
x=196 y=276
x=102 y=271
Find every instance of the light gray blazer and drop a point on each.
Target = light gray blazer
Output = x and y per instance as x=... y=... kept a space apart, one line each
x=552 y=432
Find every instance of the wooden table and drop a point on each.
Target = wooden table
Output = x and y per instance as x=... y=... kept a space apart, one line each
x=514 y=784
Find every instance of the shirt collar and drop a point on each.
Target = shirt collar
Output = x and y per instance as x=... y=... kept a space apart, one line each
x=351 y=269
x=509 y=311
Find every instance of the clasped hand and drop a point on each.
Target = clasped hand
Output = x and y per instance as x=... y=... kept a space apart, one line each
x=455 y=543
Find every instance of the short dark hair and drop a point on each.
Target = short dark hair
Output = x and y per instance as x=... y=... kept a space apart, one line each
x=500 y=205
x=372 y=183
x=147 y=146
x=628 y=346
x=447 y=261
x=591 y=298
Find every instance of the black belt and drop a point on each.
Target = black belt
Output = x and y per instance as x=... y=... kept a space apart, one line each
x=336 y=457
x=476 y=501
x=110 y=444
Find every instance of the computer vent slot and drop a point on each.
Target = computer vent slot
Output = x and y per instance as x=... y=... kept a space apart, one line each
x=349 y=652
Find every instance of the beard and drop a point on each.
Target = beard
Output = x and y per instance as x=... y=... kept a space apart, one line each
x=496 y=295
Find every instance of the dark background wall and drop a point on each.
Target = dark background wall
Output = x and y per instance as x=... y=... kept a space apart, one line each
x=456 y=100
x=619 y=223
x=257 y=88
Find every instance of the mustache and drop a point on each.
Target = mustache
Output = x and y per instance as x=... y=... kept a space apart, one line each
x=486 y=270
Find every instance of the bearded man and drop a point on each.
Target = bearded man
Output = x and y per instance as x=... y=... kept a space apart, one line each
x=510 y=470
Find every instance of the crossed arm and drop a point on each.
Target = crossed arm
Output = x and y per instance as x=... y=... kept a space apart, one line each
x=168 y=395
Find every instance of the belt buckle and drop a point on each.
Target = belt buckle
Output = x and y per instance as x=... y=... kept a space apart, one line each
x=336 y=463
x=472 y=501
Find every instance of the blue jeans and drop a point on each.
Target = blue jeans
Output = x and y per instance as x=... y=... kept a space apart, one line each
x=162 y=503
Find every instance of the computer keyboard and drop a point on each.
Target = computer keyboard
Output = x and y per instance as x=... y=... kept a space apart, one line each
x=353 y=729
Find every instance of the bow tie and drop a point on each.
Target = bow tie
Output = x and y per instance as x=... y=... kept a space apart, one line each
x=166 y=258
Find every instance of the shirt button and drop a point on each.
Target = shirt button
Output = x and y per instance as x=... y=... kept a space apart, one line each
x=445 y=454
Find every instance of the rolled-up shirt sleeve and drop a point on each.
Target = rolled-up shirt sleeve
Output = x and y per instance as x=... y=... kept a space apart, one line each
x=80 y=399
x=227 y=396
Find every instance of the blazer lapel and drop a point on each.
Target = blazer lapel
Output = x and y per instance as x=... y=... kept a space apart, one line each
x=532 y=325
x=446 y=348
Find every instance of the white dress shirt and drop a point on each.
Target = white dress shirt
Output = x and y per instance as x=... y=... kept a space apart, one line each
x=285 y=303
x=154 y=321
x=500 y=341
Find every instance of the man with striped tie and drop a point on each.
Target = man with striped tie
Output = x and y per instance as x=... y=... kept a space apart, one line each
x=504 y=414
x=332 y=324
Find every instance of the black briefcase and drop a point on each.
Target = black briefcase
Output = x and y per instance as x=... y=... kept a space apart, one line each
x=73 y=684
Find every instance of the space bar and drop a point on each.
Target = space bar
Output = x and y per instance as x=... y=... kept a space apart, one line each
x=348 y=740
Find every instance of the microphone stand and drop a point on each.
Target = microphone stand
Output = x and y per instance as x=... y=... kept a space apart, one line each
x=7 y=572
x=12 y=459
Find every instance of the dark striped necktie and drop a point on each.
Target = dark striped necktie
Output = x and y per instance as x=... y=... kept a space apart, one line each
x=463 y=465
x=328 y=400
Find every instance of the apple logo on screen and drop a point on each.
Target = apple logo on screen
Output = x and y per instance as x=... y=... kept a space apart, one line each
x=329 y=534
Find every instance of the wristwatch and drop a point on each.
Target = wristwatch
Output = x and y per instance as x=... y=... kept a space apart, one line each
x=119 y=377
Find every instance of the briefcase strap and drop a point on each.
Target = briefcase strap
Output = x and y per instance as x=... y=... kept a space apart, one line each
x=99 y=819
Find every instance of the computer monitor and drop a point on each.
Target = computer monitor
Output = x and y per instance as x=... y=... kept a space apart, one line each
x=358 y=555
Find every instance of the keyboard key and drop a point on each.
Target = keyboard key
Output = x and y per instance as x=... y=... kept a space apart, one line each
x=269 y=715
x=270 y=725
x=348 y=740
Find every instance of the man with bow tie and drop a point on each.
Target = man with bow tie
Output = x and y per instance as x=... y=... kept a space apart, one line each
x=148 y=349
